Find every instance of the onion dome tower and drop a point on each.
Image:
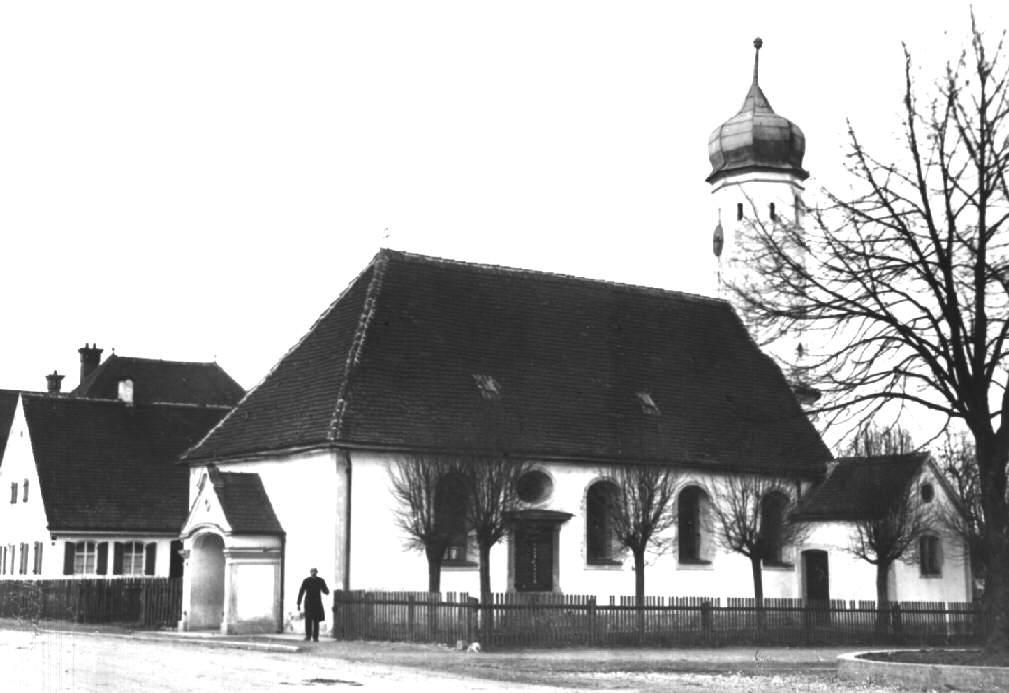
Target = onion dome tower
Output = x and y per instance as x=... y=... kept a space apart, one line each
x=756 y=181
x=756 y=173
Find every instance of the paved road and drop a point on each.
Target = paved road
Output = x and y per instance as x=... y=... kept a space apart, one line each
x=79 y=662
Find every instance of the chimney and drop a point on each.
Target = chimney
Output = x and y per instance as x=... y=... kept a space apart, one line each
x=91 y=356
x=53 y=381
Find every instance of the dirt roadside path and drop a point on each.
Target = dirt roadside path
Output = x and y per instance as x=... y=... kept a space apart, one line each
x=82 y=658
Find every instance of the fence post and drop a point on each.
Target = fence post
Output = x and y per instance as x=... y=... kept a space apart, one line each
x=897 y=620
x=707 y=622
x=472 y=606
x=411 y=617
x=142 y=616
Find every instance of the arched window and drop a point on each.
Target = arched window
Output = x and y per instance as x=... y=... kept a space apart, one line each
x=772 y=523
x=600 y=539
x=450 y=516
x=690 y=509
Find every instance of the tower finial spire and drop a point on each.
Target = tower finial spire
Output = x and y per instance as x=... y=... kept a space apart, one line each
x=757 y=43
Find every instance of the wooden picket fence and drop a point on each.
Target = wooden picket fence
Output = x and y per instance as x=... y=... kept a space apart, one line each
x=148 y=602
x=553 y=620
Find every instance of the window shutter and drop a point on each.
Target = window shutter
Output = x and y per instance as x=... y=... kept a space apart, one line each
x=68 y=558
x=103 y=558
x=117 y=558
x=38 y=559
x=150 y=554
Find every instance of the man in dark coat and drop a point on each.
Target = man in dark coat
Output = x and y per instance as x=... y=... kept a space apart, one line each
x=312 y=589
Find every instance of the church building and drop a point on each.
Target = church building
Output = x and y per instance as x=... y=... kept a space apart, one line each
x=421 y=356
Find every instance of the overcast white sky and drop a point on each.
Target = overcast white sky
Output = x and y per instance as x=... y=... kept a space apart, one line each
x=199 y=180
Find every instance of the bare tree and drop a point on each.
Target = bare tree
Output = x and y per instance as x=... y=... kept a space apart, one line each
x=642 y=513
x=426 y=513
x=492 y=485
x=907 y=280
x=753 y=518
x=964 y=517
x=885 y=538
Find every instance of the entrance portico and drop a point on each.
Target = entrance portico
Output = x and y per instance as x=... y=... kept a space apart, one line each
x=233 y=558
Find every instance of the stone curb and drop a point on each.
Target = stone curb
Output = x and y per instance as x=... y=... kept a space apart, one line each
x=851 y=667
x=214 y=642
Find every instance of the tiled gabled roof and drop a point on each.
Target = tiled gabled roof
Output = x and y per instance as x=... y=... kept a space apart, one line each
x=104 y=465
x=398 y=359
x=246 y=506
x=861 y=488
x=161 y=381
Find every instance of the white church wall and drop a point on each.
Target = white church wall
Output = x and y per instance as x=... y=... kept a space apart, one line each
x=307 y=494
x=381 y=561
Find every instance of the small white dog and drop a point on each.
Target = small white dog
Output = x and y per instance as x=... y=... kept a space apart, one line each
x=473 y=647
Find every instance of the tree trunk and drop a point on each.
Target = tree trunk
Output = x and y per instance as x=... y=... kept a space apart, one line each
x=487 y=615
x=991 y=460
x=433 y=572
x=882 y=598
x=639 y=589
x=639 y=577
x=758 y=590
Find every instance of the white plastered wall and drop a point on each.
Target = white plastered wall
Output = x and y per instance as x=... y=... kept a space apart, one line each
x=307 y=492
x=25 y=521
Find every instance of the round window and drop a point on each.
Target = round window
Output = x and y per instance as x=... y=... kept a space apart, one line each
x=534 y=486
x=927 y=493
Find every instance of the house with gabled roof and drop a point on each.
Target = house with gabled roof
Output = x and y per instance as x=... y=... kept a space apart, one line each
x=95 y=488
x=936 y=566
x=423 y=356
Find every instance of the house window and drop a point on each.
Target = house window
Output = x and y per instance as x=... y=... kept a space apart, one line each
x=85 y=558
x=930 y=555
x=771 y=212
x=450 y=516
x=37 y=559
x=689 y=509
x=772 y=523
x=739 y=211
x=14 y=492
x=24 y=559
x=24 y=498
x=128 y=558
x=600 y=534
x=927 y=492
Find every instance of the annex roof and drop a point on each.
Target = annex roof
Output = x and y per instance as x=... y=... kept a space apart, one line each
x=421 y=353
x=861 y=488
x=161 y=381
x=108 y=466
x=246 y=506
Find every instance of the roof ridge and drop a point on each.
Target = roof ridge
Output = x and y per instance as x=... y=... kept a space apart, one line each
x=154 y=360
x=113 y=400
x=884 y=459
x=380 y=263
x=322 y=316
x=507 y=270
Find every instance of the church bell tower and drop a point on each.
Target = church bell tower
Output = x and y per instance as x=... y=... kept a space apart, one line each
x=756 y=182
